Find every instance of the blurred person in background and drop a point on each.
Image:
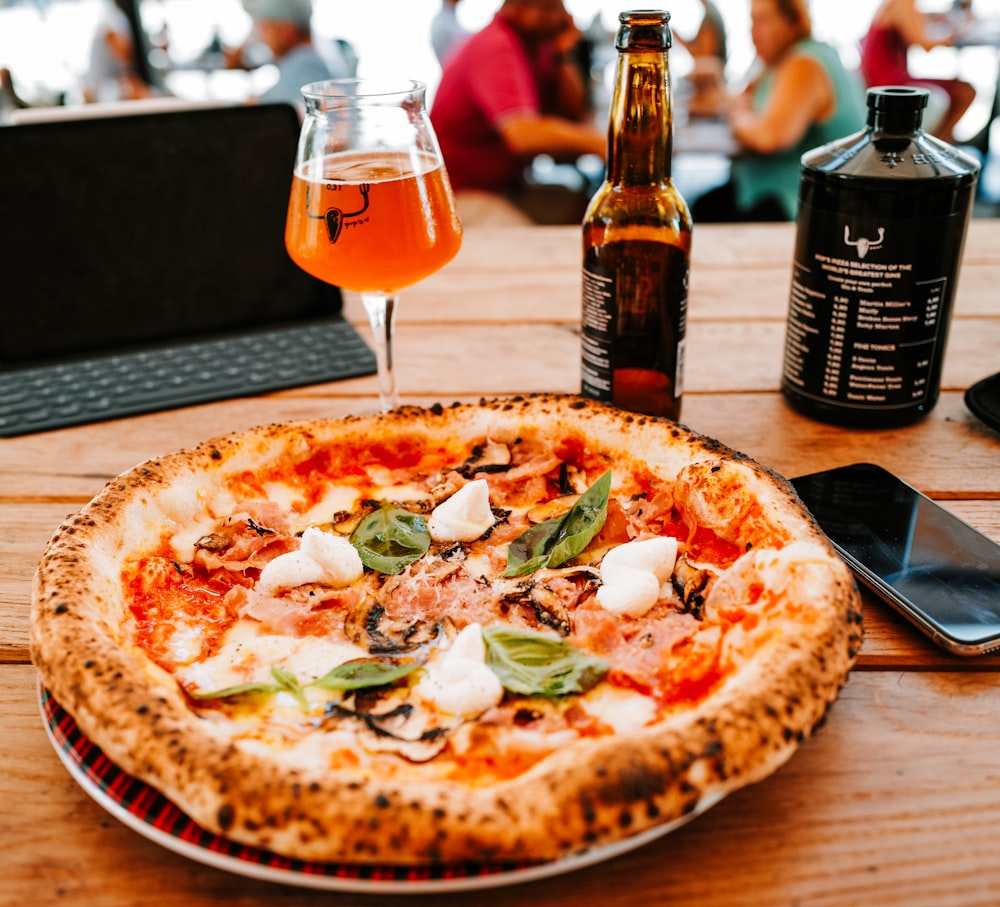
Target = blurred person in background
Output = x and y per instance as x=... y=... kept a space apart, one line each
x=447 y=32
x=284 y=27
x=113 y=72
x=512 y=91
x=896 y=27
x=709 y=54
x=800 y=97
x=10 y=100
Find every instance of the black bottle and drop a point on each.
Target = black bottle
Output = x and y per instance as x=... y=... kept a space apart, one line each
x=880 y=229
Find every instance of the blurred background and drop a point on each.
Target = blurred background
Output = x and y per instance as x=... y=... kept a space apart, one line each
x=45 y=43
x=46 y=52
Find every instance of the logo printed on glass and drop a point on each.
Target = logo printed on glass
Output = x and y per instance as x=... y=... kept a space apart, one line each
x=335 y=217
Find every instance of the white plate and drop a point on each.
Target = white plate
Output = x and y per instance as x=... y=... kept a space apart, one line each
x=149 y=813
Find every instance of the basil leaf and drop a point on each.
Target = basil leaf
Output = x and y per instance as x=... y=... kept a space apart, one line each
x=531 y=549
x=390 y=538
x=554 y=542
x=284 y=680
x=241 y=689
x=536 y=664
x=287 y=682
x=361 y=673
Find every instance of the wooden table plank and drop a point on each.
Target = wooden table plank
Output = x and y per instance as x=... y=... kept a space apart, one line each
x=740 y=272
x=896 y=800
x=890 y=803
x=762 y=426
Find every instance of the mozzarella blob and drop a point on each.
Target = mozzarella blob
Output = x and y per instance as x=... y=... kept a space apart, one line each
x=632 y=592
x=656 y=555
x=464 y=516
x=636 y=575
x=320 y=558
x=460 y=682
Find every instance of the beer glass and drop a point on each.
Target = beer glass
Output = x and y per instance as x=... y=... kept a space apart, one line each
x=371 y=208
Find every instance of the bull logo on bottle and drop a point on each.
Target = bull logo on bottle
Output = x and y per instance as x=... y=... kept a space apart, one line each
x=335 y=217
x=863 y=245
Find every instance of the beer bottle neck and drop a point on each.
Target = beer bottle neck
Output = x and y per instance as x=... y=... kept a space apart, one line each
x=640 y=130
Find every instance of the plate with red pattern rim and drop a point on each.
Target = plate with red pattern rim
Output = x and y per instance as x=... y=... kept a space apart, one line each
x=146 y=811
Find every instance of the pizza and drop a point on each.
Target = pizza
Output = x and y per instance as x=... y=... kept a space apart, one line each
x=505 y=631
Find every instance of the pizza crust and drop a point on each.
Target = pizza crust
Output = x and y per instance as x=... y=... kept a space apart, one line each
x=594 y=792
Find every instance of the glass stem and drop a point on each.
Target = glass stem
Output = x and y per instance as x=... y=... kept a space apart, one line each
x=381 y=311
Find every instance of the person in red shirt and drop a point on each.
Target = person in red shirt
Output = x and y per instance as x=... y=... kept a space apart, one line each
x=896 y=26
x=512 y=91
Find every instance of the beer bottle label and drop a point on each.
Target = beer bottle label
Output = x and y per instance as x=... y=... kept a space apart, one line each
x=633 y=323
x=598 y=328
x=869 y=308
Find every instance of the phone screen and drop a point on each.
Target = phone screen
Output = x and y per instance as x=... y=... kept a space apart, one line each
x=926 y=562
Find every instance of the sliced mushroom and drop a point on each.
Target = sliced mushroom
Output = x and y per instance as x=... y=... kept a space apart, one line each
x=421 y=750
x=690 y=583
x=344 y=522
x=367 y=624
x=492 y=453
x=403 y=729
x=215 y=541
x=489 y=457
x=547 y=606
x=445 y=488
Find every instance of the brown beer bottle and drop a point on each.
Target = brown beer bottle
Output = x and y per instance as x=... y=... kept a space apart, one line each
x=637 y=238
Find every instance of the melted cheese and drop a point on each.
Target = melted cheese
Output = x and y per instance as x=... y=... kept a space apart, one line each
x=183 y=539
x=623 y=710
x=185 y=642
x=400 y=493
x=335 y=499
x=247 y=656
x=283 y=494
x=479 y=565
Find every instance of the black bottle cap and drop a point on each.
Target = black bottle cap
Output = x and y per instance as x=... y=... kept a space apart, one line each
x=896 y=109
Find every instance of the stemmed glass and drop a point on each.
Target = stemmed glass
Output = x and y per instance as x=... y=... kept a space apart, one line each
x=371 y=209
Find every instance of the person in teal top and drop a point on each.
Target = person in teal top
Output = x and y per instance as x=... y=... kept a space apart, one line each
x=802 y=98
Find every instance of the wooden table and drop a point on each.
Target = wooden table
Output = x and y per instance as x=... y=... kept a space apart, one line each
x=895 y=801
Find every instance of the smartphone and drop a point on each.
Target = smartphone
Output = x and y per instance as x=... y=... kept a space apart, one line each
x=933 y=568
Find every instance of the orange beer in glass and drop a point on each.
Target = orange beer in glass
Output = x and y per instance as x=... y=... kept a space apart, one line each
x=371 y=208
x=395 y=215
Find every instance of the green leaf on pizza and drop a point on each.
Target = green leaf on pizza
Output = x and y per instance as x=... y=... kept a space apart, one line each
x=351 y=675
x=556 y=541
x=283 y=680
x=240 y=689
x=390 y=538
x=536 y=664
x=287 y=682
x=362 y=673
